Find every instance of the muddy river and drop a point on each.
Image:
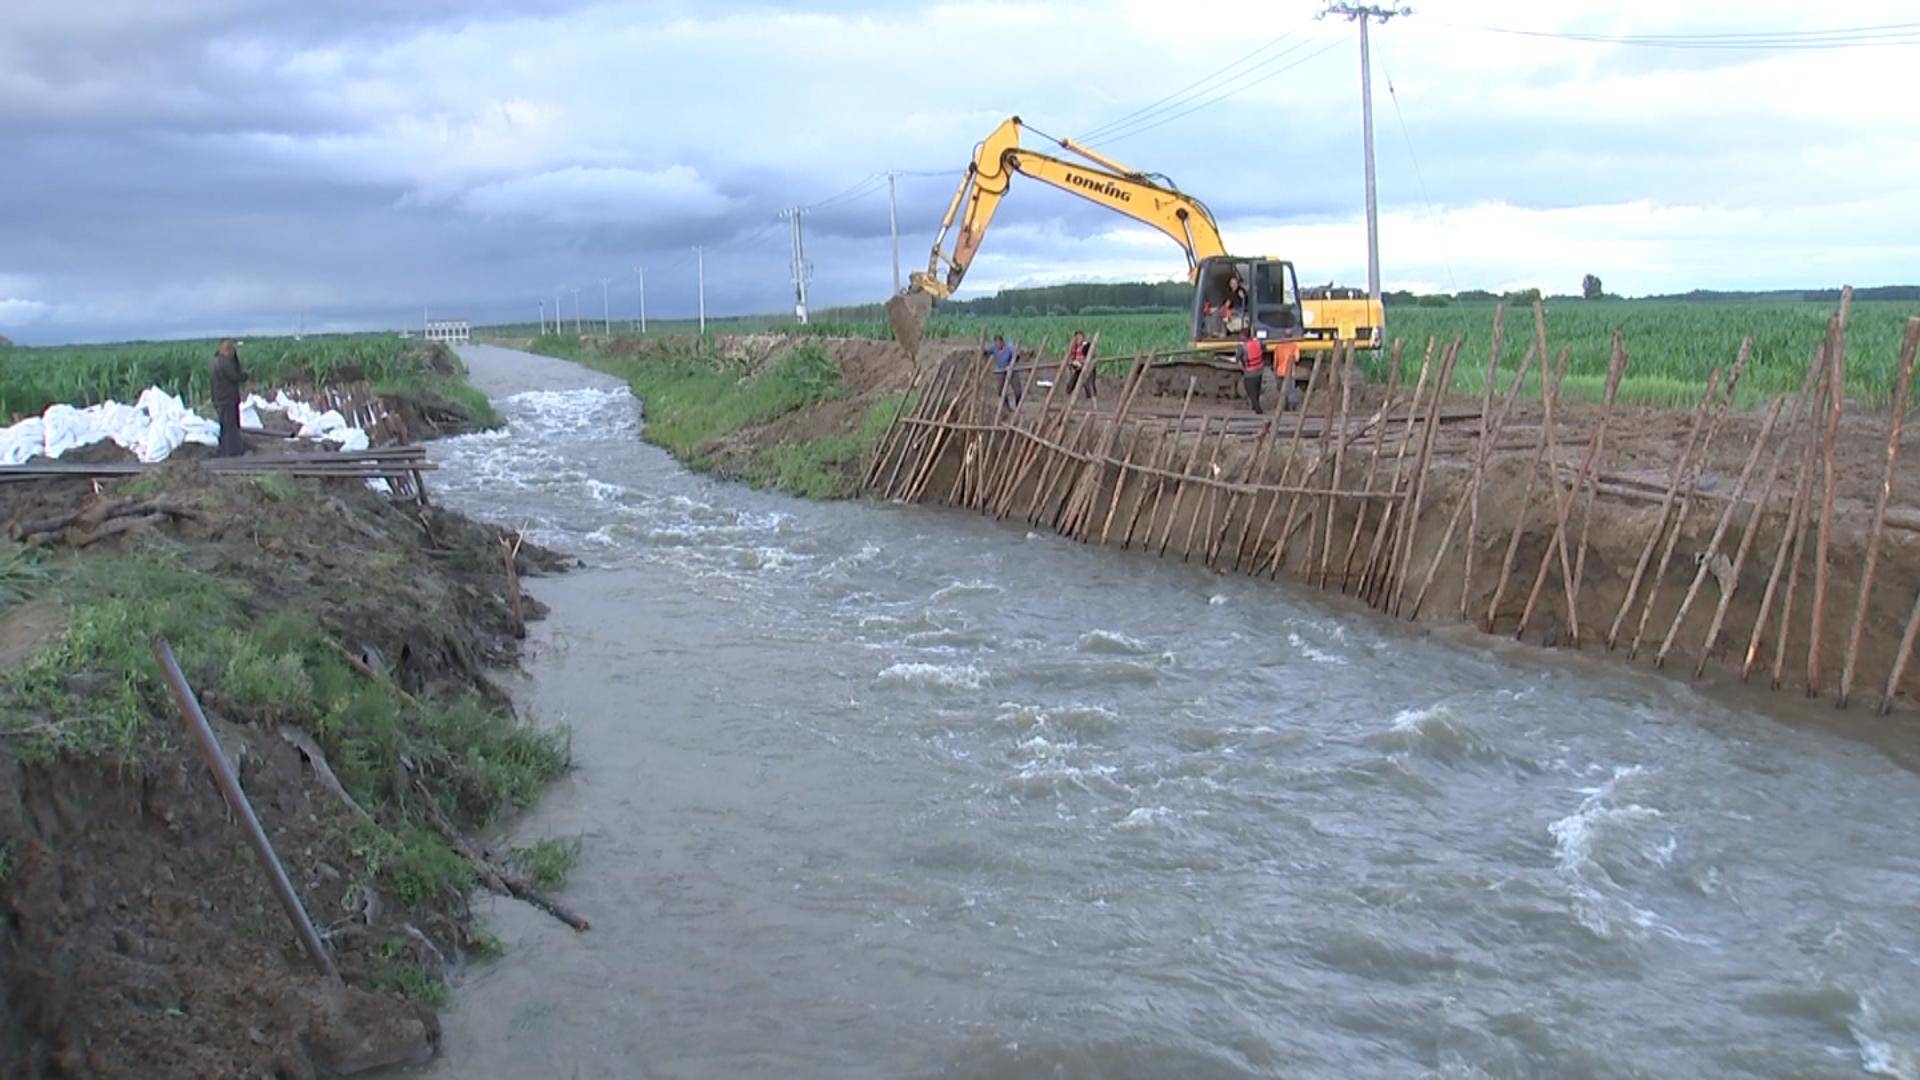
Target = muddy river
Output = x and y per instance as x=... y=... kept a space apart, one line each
x=874 y=791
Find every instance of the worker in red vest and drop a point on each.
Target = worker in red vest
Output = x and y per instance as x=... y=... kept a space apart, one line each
x=1253 y=359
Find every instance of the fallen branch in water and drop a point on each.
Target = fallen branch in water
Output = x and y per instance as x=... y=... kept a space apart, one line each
x=502 y=881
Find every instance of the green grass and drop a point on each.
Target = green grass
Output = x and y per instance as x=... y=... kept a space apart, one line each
x=694 y=396
x=20 y=573
x=96 y=691
x=33 y=378
x=819 y=469
x=546 y=862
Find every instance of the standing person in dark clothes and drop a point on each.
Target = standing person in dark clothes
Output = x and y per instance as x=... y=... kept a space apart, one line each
x=228 y=380
x=1080 y=371
x=1253 y=359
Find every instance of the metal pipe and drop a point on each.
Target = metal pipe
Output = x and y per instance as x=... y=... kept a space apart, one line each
x=222 y=770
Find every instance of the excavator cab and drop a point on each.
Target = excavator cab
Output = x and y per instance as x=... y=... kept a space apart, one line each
x=1232 y=294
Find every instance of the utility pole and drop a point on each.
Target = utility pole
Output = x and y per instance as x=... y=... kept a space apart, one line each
x=1363 y=14
x=576 y=311
x=543 y=317
x=700 y=262
x=893 y=226
x=801 y=271
x=606 y=309
x=642 y=271
x=558 y=291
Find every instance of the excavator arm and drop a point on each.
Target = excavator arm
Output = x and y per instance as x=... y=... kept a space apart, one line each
x=1096 y=178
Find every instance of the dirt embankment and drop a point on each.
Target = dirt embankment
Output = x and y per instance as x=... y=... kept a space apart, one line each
x=138 y=936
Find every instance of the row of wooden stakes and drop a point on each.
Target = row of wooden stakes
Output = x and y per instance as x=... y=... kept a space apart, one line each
x=1358 y=494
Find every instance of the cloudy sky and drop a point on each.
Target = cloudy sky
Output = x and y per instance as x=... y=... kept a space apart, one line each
x=210 y=166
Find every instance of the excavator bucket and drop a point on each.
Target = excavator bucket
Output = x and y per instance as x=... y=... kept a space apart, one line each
x=908 y=313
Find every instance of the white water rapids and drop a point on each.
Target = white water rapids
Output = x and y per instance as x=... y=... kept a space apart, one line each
x=881 y=791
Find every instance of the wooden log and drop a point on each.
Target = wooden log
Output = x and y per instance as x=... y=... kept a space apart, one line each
x=1259 y=463
x=1163 y=456
x=1549 y=386
x=1480 y=462
x=872 y=474
x=1562 y=507
x=1686 y=495
x=1120 y=483
x=911 y=448
x=1280 y=547
x=1373 y=576
x=1080 y=502
x=1836 y=403
x=1013 y=473
x=937 y=443
x=1798 y=527
x=1343 y=366
x=1180 y=486
x=1488 y=435
x=509 y=549
x=1373 y=463
x=496 y=878
x=1694 y=428
x=1901 y=389
x=1212 y=470
x=1050 y=464
x=1808 y=386
x=1419 y=478
x=1593 y=490
x=1293 y=453
x=1719 y=531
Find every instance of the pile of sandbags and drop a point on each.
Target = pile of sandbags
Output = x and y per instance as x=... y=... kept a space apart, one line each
x=158 y=424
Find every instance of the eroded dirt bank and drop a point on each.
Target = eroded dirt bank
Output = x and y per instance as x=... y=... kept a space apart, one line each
x=137 y=934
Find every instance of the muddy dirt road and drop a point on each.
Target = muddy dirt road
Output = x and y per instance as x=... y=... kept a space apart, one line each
x=877 y=791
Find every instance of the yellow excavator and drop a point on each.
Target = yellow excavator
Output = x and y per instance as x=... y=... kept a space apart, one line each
x=1231 y=293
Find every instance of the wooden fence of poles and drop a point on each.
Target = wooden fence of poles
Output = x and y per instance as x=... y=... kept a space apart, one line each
x=1347 y=498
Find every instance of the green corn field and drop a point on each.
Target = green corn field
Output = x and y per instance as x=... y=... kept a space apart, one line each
x=33 y=378
x=1674 y=345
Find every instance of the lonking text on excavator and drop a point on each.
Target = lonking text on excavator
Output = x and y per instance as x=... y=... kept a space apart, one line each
x=1267 y=298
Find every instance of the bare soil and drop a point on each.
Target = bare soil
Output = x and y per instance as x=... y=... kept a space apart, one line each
x=137 y=935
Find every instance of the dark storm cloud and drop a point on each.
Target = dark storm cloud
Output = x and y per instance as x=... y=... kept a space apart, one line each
x=215 y=165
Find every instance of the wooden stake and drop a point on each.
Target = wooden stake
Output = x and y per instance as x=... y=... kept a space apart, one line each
x=1808 y=387
x=886 y=440
x=1836 y=402
x=1549 y=387
x=1694 y=429
x=1489 y=434
x=1419 y=479
x=1213 y=470
x=1390 y=515
x=1373 y=463
x=1280 y=547
x=1798 y=528
x=1162 y=457
x=1480 y=461
x=1343 y=367
x=1901 y=390
x=1686 y=496
x=1616 y=368
x=1720 y=531
x=1293 y=452
x=1180 y=485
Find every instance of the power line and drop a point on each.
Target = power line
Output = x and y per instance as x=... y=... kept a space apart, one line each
x=1217 y=76
x=1240 y=89
x=1883 y=35
x=1420 y=177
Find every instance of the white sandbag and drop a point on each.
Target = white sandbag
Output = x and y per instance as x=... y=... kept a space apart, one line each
x=21 y=442
x=66 y=428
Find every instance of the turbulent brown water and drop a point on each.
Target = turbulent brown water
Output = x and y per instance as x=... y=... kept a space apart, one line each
x=874 y=791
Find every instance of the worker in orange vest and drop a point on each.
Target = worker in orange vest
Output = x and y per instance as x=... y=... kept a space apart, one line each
x=1253 y=357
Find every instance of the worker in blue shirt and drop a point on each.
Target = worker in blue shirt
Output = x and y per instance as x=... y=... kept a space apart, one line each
x=1003 y=353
